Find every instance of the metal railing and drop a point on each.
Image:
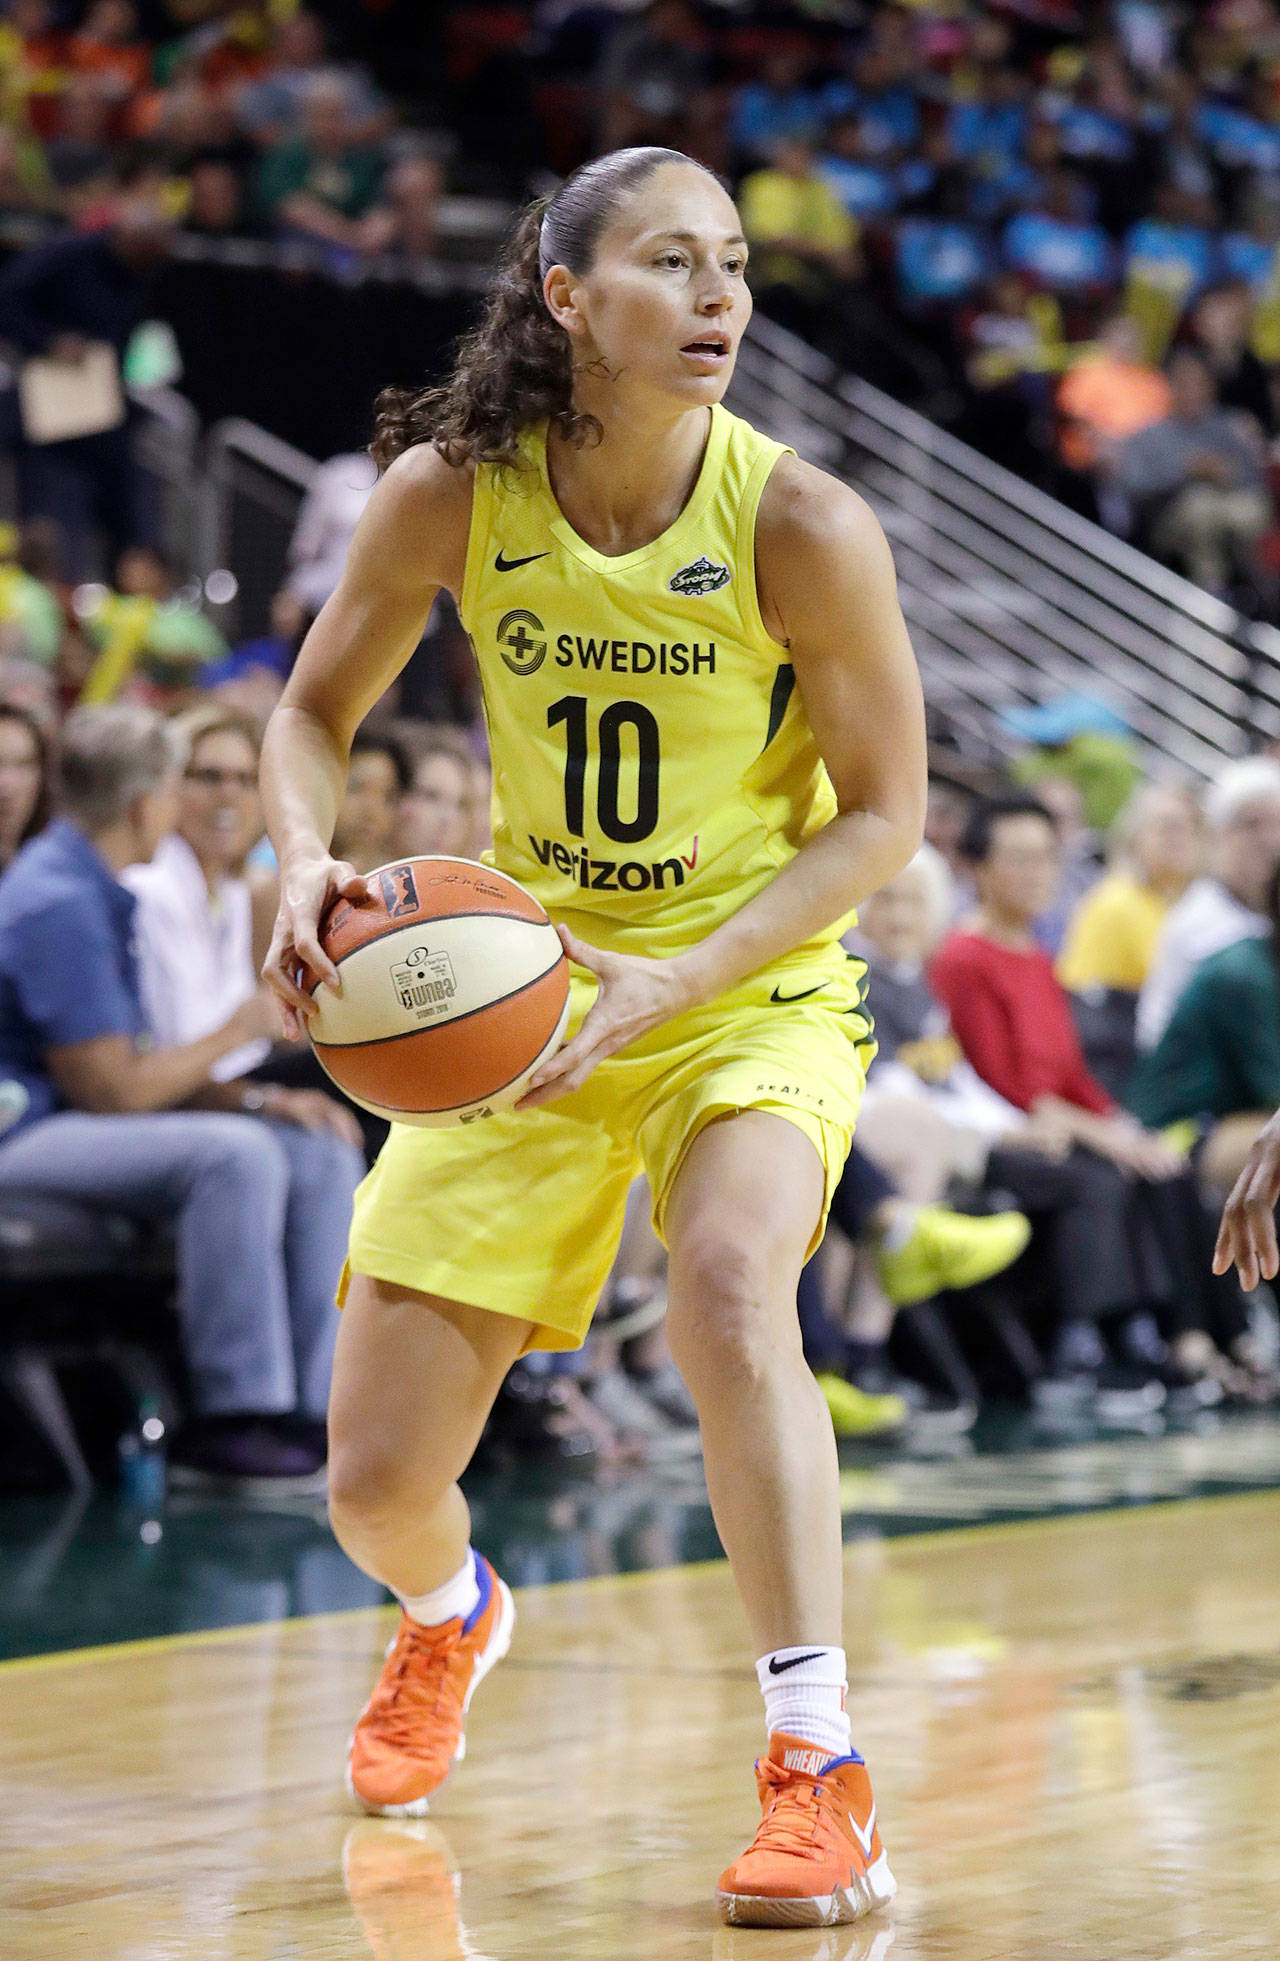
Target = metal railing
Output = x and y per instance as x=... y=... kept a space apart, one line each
x=1010 y=596
x=247 y=504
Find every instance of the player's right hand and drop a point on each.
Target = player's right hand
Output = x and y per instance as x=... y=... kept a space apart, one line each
x=295 y=960
x=1247 y=1236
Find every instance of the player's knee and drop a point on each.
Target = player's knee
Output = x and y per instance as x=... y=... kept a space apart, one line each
x=723 y=1322
x=370 y=1486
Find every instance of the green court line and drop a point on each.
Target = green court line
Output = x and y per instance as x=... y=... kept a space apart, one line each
x=929 y=1541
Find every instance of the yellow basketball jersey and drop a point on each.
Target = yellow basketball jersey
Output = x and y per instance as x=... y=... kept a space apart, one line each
x=653 y=767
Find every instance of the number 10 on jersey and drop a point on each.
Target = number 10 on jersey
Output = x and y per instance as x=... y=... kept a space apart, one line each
x=573 y=711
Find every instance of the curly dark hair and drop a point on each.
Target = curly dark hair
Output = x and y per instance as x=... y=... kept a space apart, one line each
x=516 y=366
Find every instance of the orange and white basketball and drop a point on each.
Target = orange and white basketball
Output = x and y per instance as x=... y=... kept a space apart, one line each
x=454 y=988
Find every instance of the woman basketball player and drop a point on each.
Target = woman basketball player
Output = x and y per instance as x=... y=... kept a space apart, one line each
x=708 y=746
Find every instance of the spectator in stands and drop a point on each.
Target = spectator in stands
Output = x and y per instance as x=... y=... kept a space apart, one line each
x=215 y=198
x=108 y=47
x=80 y=158
x=436 y=810
x=1249 y=250
x=1083 y=739
x=329 y=514
x=927 y=1116
x=1058 y=243
x=1219 y=1056
x=55 y=300
x=1107 y=395
x=151 y=640
x=866 y=184
x=777 y=102
x=377 y=779
x=31 y=618
x=1197 y=482
x=1013 y=1021
x=1177 y=244
x=1219 y=332
x=1228 y=904
x=804 y=242
x=323 y=183
x=654 y=79
x=272 y=108
x=409 y=207
x=101 y=1119
x=1157 y=847
x=25 y=780
x=1079 y=862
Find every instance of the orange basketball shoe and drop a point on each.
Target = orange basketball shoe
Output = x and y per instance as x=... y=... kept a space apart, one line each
x=411 y=1731
x=817 y=1859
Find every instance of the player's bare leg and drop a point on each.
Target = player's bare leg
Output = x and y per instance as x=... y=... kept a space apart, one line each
x=739 y=1222
x=414 y=1380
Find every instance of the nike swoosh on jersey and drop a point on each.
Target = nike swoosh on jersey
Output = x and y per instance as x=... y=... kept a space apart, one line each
x=501 y=564
x=864 y=1838
x=802 y=996
x=777 y=1667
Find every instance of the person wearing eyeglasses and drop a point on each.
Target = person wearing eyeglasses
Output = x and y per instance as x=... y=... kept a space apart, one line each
x=100 y=1107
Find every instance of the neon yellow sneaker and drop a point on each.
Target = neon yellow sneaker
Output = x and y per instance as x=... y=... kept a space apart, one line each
x=857 y=1413
x=948 y=1251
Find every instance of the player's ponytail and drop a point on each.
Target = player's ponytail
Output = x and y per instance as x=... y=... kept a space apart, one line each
x=516 y=366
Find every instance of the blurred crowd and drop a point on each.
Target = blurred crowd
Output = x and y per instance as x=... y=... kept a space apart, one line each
x=1075 y=986
x=1052 y=226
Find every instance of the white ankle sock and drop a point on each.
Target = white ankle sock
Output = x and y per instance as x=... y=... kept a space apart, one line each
x=445 y=1603
x=804 y=1694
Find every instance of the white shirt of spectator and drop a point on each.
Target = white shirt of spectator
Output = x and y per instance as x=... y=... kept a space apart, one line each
x=331 y=510
x=195 y=953
x=1205 y=921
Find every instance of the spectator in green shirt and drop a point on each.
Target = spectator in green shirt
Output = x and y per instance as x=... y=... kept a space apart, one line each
x=324 y=182
x=1219 y=1056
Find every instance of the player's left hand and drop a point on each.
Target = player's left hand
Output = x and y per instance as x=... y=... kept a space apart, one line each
x=1247 y=1237
x=635 y=995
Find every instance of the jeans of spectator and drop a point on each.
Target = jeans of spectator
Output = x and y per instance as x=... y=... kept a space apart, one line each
x=88 y=487
x=261 y=1212
x=863 y=1188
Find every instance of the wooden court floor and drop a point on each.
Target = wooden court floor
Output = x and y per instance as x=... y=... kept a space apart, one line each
x=1074 y=1728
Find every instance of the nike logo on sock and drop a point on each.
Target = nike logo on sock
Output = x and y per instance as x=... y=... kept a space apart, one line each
x=501 y=564
x=777 y=1667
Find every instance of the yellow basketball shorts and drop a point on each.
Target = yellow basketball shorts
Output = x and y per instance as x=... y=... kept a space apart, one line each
x=522 y=1212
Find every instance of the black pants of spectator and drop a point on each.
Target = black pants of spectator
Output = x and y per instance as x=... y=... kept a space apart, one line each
x=92 y=489
x=1175 y=1216
x=1116 y=1245
x=863 y=1188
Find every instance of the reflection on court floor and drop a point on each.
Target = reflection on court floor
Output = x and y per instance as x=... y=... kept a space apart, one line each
x=1074 y=1726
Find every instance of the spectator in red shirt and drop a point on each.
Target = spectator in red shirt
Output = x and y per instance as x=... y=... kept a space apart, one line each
x=1013 y=1020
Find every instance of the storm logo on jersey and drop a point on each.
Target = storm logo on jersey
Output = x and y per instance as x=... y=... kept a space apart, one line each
x=703 y=576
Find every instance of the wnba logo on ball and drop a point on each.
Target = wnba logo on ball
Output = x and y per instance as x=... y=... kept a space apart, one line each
x=424 y=982
x=399 y=893
x=522 y=653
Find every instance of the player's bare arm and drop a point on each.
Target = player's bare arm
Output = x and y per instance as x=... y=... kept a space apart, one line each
x=828 y=592
x=411 y=541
